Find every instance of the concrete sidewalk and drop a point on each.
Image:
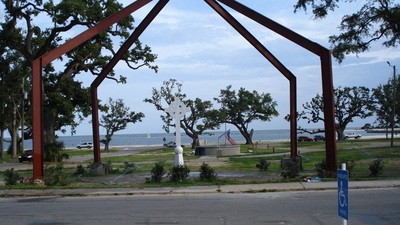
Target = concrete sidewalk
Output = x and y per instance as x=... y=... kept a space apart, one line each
x=247 y=188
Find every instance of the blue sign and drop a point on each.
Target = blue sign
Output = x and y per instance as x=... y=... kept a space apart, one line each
x=343 y=193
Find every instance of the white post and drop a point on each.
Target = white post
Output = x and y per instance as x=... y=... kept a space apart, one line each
x=177 y=111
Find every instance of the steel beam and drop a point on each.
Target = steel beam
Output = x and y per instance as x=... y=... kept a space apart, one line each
x=273 y=60
x=37 y=107
x=274 y=26
x=42 y=61
x=329 y=112
x=91 y=32
x=107 y=69
x=326 y=73
x=326 y=67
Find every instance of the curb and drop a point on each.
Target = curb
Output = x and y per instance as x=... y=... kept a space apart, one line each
x=193 y=190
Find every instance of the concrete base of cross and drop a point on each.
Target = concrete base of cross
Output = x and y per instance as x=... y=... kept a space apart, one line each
x=179 y=156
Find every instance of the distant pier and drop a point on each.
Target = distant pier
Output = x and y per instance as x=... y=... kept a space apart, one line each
x=382 y=130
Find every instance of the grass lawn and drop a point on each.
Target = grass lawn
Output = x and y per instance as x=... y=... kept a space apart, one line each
x=361 y=152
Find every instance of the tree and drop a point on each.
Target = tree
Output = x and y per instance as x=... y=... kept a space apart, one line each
x=383 y=95
x=4 y=115
x=33 y=27
x=243 y=107
x=374 y=20
x=117 y=118
x=202 y=116
x=12 y=74
x=350 y=102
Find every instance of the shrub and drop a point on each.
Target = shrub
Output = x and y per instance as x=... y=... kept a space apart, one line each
x=11 y=177
x=350 y=164
x=129 y=167
x=157 y=173
x=92 y=168
x=79 y=170
x=263 y=165
x=54 y=175
x=207 y=173
x=376 y=167
x=109 y=168
x=291 y=172
x=179 y=173
x=320 y=168
x=53 y=152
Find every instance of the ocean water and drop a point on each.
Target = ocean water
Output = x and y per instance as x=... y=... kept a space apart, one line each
x=157 y=138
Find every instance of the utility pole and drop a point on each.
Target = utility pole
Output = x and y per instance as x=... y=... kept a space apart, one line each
x=393 y=103
x=23 y=115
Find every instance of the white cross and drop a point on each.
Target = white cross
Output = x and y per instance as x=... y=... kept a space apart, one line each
x=177 y=110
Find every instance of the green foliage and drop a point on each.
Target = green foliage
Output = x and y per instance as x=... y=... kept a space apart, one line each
x=384 y=97
x=207 y=173
x=11 y=177
x=129 y=167
x=292 y=170
x=53 y=152
x=320 y=168
x=79 y=170
x=372 y=21
x=244 y=107
x=109 y=168
x=13 y=77
x=349 y=102
x=91 y=168
x=350 y=164
x=117 y=118
x=263 y=165
x=178 y=173
x=66 y=101
x=54 y=175
x=376 y=167
x=157 y=173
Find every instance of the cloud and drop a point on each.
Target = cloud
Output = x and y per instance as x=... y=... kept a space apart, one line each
x=198 y=48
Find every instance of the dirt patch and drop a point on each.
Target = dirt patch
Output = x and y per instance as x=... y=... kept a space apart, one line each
x=212 y=161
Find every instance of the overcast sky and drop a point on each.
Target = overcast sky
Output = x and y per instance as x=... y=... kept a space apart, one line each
x=199 y=49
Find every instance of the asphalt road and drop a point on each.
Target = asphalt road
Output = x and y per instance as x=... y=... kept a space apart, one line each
x=367 y=207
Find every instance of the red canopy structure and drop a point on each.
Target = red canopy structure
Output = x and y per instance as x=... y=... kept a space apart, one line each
x=323 y=53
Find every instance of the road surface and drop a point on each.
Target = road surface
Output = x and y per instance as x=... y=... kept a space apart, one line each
x=367 y=207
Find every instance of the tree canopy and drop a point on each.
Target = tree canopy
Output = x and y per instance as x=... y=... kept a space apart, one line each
x=13 y=72
x=350 y=102
x=243 y=107
x=116 y=118
x=387 y=101
x=373 y=20
x=33 y=27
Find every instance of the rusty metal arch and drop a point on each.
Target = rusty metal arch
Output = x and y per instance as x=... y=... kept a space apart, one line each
x=323 y=53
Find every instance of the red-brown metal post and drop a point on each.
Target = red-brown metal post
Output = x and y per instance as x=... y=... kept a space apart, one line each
x=95 y=125
x=107 y=69
x=37 y=102
x=293 y=118
x=329 y=112
x=274 y=61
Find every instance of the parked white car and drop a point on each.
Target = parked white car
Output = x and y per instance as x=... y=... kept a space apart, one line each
x=352 y=135
x=87 y=145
